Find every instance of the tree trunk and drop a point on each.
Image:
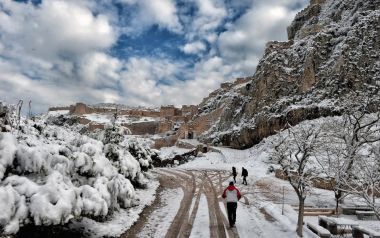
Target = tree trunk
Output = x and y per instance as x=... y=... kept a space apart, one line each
x=338 y=195
x=301 y=208
x=373 y=194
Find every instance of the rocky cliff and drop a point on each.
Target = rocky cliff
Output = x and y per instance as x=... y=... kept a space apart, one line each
x=332 y=57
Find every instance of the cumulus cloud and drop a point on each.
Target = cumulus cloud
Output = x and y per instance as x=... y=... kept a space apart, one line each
x=54 y=28
x=158 y=82
x=99 y=69
x=244 y=41
x=194 y=47
x=162 y=13
x=44 y=46
x=208 y=17
x=17 y=86
x=63 y=51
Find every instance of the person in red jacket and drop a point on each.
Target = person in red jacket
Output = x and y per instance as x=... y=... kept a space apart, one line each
x=232 y=195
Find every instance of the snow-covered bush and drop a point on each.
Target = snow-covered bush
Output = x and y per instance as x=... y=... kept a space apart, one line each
x=8 y=117
x=51 y=174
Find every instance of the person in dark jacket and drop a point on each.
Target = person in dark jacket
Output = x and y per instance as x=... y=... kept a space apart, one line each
x=244 y=174
x=234 y=173
x=232 y=196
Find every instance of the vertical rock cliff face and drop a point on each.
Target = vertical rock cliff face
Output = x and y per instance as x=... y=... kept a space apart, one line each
x=331 y=57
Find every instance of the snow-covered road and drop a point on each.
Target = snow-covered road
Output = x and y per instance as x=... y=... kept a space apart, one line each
x=189 y=204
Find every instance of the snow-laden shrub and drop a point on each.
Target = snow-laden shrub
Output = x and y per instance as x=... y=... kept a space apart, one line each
x=51 y=174
x=13 y=209
x=8 y=117
x=126 y=153
x=8 y=149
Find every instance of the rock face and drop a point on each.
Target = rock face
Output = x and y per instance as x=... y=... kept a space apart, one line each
x=332 y=57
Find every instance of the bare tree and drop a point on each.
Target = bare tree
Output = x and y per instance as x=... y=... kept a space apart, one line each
x=30 y=109
x=360 y=131
x=366 y=183
x=294 y=152
x=344 y=159
x=19 y=107
x=331 y=158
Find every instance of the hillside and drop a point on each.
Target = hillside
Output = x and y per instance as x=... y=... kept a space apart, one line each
x=330 y=60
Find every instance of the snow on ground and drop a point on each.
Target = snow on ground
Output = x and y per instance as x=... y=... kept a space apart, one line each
x=263 y=217
x=106 y=118
x=58 y=112
x=251 y=159
x=170 y=152
x=159 y=221
x=193 y=142
x=201 y=222
x=121 y=220
x=53 y=175
x=251 y=222
x=372 y=224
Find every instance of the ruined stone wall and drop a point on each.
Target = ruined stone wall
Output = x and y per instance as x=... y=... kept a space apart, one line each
x=165 y=142
x=58 y=108
x=167 y=111
x=101 y=110
x=150 y=113
x=143 y=128
x=165 y=126
x=169 y=116
x=80 y=109
x=189 y=110
x=93 y=126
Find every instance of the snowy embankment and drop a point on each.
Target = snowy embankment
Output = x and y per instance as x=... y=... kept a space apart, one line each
x=52 y=175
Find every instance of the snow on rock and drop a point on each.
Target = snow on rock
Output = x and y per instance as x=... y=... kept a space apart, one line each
x=7 y=151
x=51 y=174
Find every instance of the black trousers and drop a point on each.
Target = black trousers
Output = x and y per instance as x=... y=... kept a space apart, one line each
x=245 y=180
x=231 y=211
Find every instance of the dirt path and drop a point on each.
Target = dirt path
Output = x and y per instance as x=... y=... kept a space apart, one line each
x=193 y=184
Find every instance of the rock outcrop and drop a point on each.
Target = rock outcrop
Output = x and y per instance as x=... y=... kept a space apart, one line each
x=332 y=57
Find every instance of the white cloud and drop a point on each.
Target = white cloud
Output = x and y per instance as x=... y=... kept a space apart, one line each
x=16 y=86
x=194 y=47
x=209 y=15
x=54 y=28
x=57 y=53
x=244 y=41
x=99 y=69
x=153 y=81
x=162 y=13
x=141 y=78
x=45 y=46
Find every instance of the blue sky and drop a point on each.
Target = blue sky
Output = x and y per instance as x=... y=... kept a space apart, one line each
x=135 y=52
